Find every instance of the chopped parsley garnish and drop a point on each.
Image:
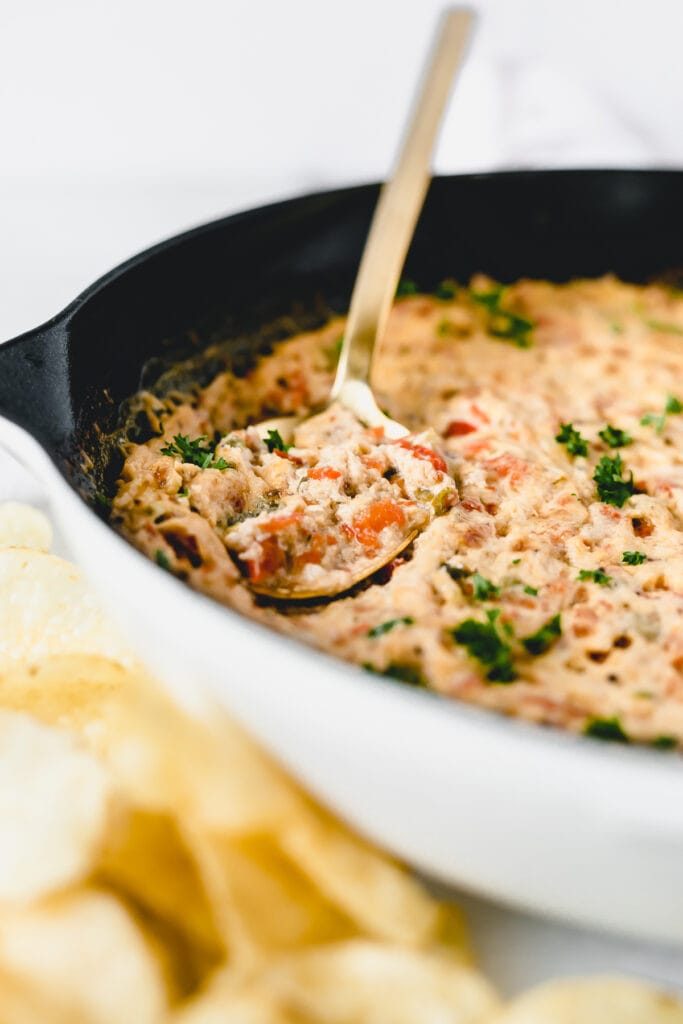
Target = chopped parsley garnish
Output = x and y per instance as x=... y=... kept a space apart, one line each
x=483 y=589
x=516 y=561
x=576 y=445
x=386 y=627
x=406 y=287
x=511 y=327
x=672 y=407
x=503 y=323
x=665 y=742
x=446 y=290
x=606 y=729
x=613 y=489
x=615 y=437
x=543 y=639
x=484 y=642
x=456 y=572
x=633 y=557
x=405 y=673
x=661 y=325
x=274 y=442
x=162 y=560
x=195 y=452
x=531 y=591
x=490 y=300
x=598 y=576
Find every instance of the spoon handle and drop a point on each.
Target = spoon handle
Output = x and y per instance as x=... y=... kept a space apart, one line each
x=399 y=204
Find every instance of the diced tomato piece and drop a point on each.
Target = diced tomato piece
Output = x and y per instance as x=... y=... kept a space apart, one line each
x=456 y=428
x=508 y=466
x=269 y=560
x=376 y=518
x=324 y=473
x=373 y=462
x=279 y=523
x=421 y=451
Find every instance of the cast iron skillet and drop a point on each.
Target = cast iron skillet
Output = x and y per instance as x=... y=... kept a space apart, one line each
x=550 y=821
x=65 y=381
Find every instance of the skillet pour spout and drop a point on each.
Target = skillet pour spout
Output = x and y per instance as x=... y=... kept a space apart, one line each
x=442 y=785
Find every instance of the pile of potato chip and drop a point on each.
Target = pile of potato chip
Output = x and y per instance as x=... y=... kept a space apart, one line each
x=155 y=869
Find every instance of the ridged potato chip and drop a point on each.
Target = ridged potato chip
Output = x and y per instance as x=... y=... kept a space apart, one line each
x=24 y=526
x=597 y=1000
x=46 y=608
x=55 y=805
x=355 y=982
x=77 y=958
x=383 y=900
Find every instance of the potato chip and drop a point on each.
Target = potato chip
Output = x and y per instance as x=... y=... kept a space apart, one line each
x=146 y=857
x=46 y=608
x=165 y=759
x=22 y=526
x=223 y=1005
x=279 y=908
x=55 y=801
x=379 y=896
x=598 y=1000
x=77 y=959
x=363 y=982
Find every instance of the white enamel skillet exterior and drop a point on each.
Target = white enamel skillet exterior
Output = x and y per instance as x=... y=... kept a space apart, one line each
x=559 y=824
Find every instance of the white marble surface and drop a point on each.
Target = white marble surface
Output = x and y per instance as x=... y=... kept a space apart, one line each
x=120 y=124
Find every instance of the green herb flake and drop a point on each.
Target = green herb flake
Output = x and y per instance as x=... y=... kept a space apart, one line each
x=503 y=323
x=491 y=299
x=633 y=557
x=406 y=287
x=195 y=452
x=405 y=673
x=665 y=742
x=544 y=638
x=456 y=572
x=672 y=407
x=615 y=437
x=598 y=576
x=576 y=445
x=613 y=489
x=667 y=328
x=386 y=627
x=531 y=591
x=446 y=290
x=483 y=589
x=511 y=327
x=484 y=643
x=162 y=559
x=653 y=419
x=606 y=729
x=274 y=442
x=516 y=561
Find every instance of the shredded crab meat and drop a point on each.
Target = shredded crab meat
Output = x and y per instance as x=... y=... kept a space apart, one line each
x=544 y=474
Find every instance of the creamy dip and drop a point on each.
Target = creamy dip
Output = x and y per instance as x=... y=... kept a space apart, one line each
x=544 y=475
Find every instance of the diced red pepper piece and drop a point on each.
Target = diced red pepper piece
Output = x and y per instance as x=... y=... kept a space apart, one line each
x=324 y=473
x=421 y=451
x=457 y=428
x=376 y=518
x=269 y=560
x=276 y=524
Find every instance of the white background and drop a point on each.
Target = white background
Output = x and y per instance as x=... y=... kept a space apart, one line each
x=124 y=122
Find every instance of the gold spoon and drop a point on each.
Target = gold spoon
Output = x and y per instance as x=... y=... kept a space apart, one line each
x=391 y=231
